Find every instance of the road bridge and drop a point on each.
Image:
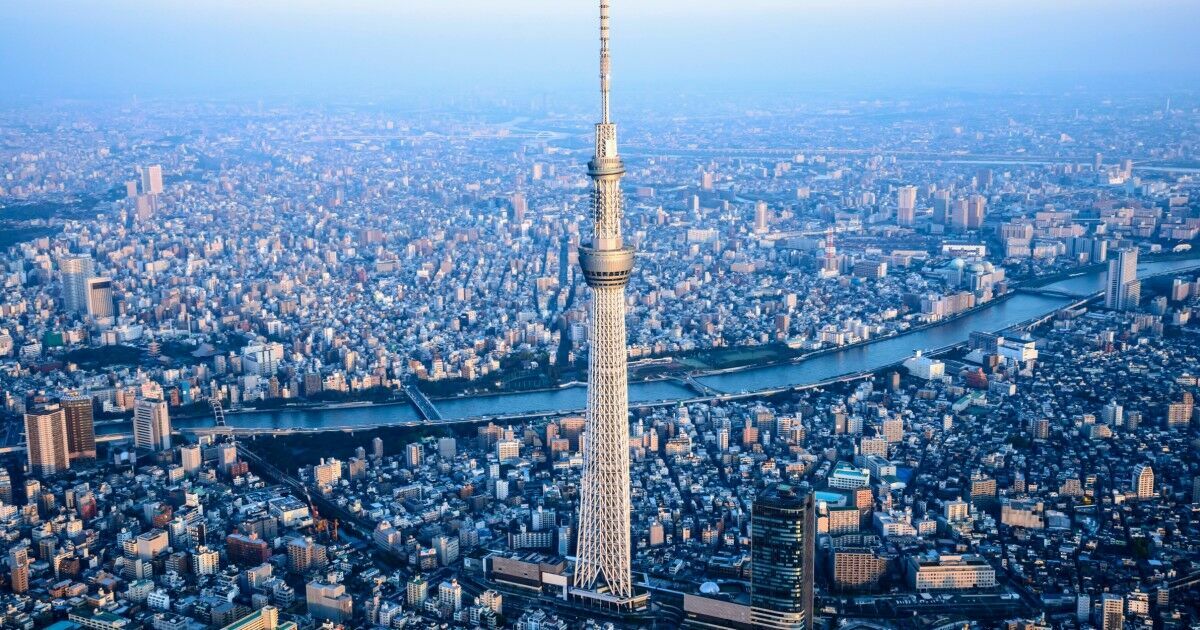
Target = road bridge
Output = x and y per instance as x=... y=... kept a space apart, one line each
x=424 y=406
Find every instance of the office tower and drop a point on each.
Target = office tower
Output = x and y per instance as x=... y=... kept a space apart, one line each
x=906 y=204
x=99 y=297
x=1122 y=289
x=18 y=568
x=81 y=427
x=518 y=208
x=151 y=425
x=941 y=207
x=976 y=210
x=76 y=271
x=959 y=213
x=604 y=547
x=377 y=448
x=783 y=530
x=152 y=181
x=1143 y=481
x=46 y=440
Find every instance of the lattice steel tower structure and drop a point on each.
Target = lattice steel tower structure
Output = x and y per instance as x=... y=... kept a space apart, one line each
x=603 y=556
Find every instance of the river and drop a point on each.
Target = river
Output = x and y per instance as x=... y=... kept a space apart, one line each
x=863 y=358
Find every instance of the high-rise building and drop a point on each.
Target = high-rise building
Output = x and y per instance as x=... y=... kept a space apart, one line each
x=265 y=618
x=190 y=458
x=1112 y=612
x=783 y=532
x=417 y=591
x=18 y=568
x=1179 y=414
x=1122 y=289
x=1143 y=481
x=604 y=550
x=906 y=204
x=976 y=210
x=413 y=455
x=447 y=448
x=377 y=448
x=450 y=594
x=99 y=297
x=941 y=207
x=76 y=271
x=304 y=554
x=959 y=214
x=1112 y=414
x=152 y=180
x=856 y=569
x=6 y=489
x=81 y=427
x=46 y=440
x=151 y=425
x=762 y=216
x=328 y=601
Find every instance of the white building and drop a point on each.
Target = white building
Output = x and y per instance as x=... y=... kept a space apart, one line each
x=924 y=367
x=151 y=425
x=949 y=572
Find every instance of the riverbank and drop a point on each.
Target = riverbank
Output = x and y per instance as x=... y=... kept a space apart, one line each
x=831 y=365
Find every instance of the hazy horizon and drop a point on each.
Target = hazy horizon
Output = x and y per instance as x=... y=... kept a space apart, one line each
x=365 y=48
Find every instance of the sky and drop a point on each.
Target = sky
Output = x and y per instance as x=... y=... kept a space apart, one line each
x=376 y=48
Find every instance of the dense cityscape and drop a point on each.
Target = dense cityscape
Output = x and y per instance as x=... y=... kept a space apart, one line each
x=918 y=363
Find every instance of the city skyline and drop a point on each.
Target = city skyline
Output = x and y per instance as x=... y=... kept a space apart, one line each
x=883 y=316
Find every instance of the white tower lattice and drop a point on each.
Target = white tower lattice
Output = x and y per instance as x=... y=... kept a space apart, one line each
x=603 y=556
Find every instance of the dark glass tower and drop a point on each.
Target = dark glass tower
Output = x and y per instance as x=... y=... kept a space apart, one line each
x=783 y=528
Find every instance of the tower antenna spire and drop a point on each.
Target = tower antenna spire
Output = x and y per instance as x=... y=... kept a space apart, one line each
x=605 y=62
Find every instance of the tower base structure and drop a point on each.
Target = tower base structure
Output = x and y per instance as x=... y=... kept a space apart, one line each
x=602 y=600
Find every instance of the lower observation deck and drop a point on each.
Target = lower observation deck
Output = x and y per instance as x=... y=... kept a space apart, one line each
x=606 y=267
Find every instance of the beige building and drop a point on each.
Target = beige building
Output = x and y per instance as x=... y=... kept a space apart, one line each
x=856 y=569
x=328 y=601
x=265 y=618
x=46 y=440
x=1143 y=481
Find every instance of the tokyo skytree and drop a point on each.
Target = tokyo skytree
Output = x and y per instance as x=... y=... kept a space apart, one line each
x=603 y=555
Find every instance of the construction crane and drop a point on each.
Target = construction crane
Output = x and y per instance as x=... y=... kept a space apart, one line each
x=321 y=525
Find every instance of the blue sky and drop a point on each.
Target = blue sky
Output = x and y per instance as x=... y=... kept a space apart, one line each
x=368 y=48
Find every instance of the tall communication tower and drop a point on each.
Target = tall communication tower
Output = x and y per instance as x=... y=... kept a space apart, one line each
x=602 y=570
